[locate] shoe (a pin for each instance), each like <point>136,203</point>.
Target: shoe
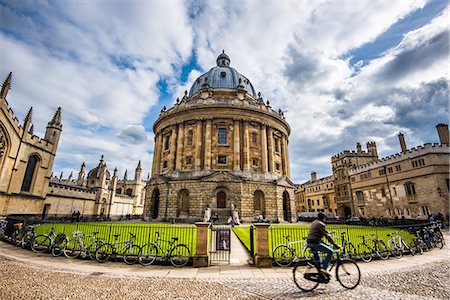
<point>325,272</point>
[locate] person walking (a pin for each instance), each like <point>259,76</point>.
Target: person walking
<point>317,231</point>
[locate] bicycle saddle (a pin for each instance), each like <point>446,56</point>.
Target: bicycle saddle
<point>175,238</point>
<point>116,235</point>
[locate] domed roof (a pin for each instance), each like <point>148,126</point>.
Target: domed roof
<point>95,173</point>
<point>223,76</point>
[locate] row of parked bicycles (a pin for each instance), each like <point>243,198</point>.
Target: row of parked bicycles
<point>90,246</point>
<point>370,247</point>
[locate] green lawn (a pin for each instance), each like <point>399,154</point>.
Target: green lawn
<point>278,233</point>
<point>145,233</point>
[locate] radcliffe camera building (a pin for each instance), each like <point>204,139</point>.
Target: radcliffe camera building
<point>221,146</point>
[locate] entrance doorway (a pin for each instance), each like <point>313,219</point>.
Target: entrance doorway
<point>45,210</point>
<point>347,211</point>
<point>155,204</point>
<point>286,207</point>
<point>221,200</point>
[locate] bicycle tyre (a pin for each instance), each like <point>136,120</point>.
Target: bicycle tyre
<point>345,270</point>
<point>408,248</point>
<point>104,253</point>
<point>396,251</point>
<point>90,251</point>
<point>14,237</point>
<point>365,253</point>
<point>40,243</point>
<point>438,244</point>
<point>303,267</point>
<point>179,256</point>
<point>72,249</point>
<point>350,250</point>
<point>131,255</point>
<point>381,250</point>
<point>283,255</point>
<point>148,254</point>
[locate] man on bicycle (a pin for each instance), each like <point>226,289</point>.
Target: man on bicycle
<point>314,241</point>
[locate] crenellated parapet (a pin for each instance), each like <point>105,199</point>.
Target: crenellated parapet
<point>415,152</point>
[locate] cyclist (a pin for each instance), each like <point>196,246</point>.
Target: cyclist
<point>314,241</point>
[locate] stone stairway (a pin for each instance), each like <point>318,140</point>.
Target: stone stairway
<point>222,213</point>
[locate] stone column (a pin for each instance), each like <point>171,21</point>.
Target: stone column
<point>198,146</point>
<point>246,147</point>
<point>236,147</point>
<point>288,166</point>
<point>208,144</point>
<point>262,257</point>
<point>173,148</point>
<point>263,148</point>
<point>283,156</point>
<point>180,147</point>
<point>270,149</point>
<point>201,258</point>
<point>157,154</point>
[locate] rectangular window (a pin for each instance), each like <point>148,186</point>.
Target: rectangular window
<point>360,196</point>
<point>390,170</point>
<point>394,190</point>
<point>255,162</point>
<point>382,171</point>
<point>165,164</point>
<point>383,192</point>
<point>275,143</point>
<point>398,168</point>
<point>222,160</point>
<point>188,160</point>
<point>222,136</point>
<point>277,166</point>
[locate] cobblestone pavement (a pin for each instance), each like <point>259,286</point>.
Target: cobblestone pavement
<point>21,281</point>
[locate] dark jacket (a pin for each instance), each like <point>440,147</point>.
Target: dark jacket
<point>317,231</point>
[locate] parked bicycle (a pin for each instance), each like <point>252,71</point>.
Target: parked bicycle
<point>23,235</point>
<point>285,254</point>
<point>307,275</point>
<point>397,245</point>
<point>177,254</point>
<point>77,247</point>
<point>49,242</point>
<point>348,249</point>
<point>366,251</point>
<point>127,249</point>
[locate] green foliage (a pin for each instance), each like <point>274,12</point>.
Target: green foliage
<point>145,233</point>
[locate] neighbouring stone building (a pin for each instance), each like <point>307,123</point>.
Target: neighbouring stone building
<point>316,195</point>
<point>221,146</point>
<point>28,187</point>
<point>413,183</point>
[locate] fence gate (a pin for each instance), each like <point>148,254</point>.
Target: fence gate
<point>220,244</point>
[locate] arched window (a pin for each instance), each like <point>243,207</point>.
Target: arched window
<point>258,200</point>
<point>119,191</point>
<point>167,143</point>
<point>190,138</point>
<point>29,173</point>
<point>129,192</point>
<point>360,196</point>
<point>410,188</point>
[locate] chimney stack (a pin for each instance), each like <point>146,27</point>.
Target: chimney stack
<point>358,148</point>
<point>401,139</point>
<point>313,176</point>
<point>443,133</point>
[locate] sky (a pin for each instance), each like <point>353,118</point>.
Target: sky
<point>342,71</point>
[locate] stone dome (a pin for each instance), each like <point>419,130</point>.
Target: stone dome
<point>223,77</point>
<point>95,173</point>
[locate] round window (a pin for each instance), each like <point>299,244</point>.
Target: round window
<point>223,74</point>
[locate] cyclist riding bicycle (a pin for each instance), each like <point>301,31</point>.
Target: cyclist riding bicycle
<point>314,241</point>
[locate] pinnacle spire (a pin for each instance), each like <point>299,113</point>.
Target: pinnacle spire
<point>29,115</point>
<point>57,117</point>
<point>138,168</point>
<point>31,131</point>
<point>6,86</point>
<point>125,175</point>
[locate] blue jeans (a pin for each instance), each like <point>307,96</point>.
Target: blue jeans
<point>321,247</point>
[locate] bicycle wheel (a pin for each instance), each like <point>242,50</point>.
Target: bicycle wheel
<point>131,254</point>
<point>306,275</point>
<point>72,248</point>
<point>104,252</point>
<point>90,251</point>
<point>350,250</point>
<point>408,248</point>
<point>395,250</point>
<point>283,255</point>
<point>348,274</point>
<point>40,243</point>
<point>382,250</point>
<point>365,252</point>
<point>148,254</point>
<point>179,256</point>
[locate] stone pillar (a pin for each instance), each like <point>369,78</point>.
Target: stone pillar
<point>262,257</point>
<point>246,147</point>
<point>201,258</point>
<point>198,146</point>
<point>283,156</point>
<point>180,147</point>
<point>288,164</point>
<point>263,148</point>
<point>208,144</point>
<point>157,154</point>
<point>173,147</point>
<point>236,147</point>
<point>270,149</point>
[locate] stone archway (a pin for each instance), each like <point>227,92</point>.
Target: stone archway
<point>221,199</point>
<point>155,204</point>
<point>286,207</point>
